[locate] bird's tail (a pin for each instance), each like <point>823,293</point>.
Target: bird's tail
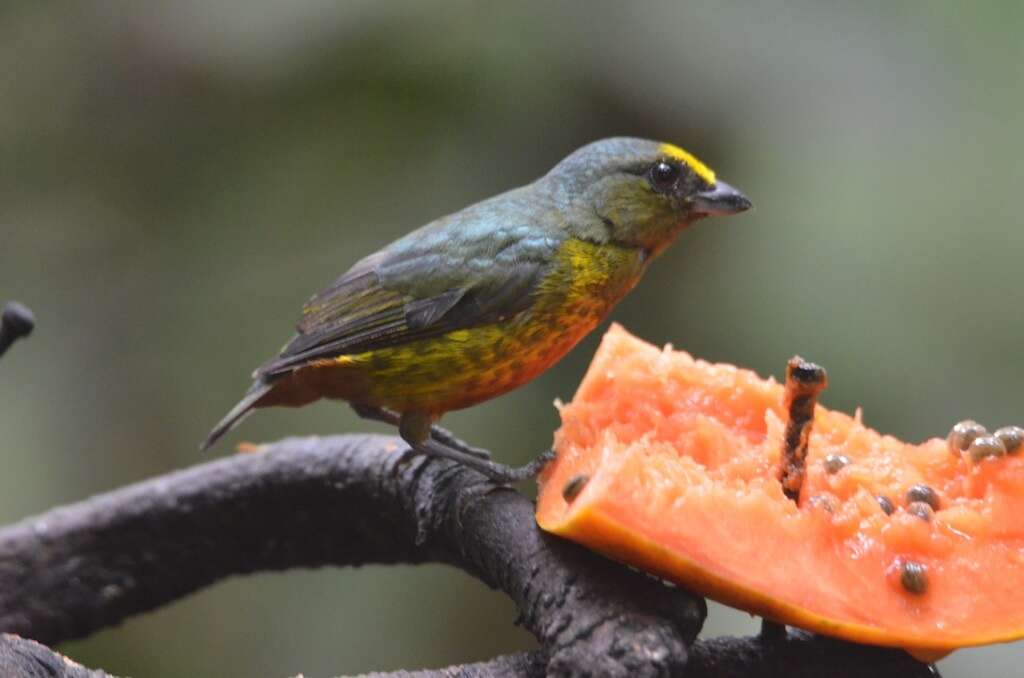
<point>237,413</point>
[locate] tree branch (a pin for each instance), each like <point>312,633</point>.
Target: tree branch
<point>345,500</point>
<point>801,655</point>
<point>22,658</point>
<point>357,499</point>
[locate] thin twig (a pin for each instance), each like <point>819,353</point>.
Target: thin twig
<point>804,382</point>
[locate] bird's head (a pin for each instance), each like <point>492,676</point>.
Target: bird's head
<point>644,192</point>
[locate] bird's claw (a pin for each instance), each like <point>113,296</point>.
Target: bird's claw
<point>500,474</point>
<point>443,443</point>
<point>506,475</point>
<point>437,433</point>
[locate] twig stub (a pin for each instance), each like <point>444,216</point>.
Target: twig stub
<point>804,382</point>
<point>16,322</point>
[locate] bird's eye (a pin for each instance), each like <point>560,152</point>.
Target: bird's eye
<point>664,175</point>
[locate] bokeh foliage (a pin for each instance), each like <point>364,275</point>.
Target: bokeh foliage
<point>177,177</point>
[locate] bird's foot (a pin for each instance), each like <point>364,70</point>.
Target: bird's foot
<point>500,474</point>
<point>440,442</point>
<point>437,433</point>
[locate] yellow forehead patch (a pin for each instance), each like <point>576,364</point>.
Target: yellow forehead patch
<point>699,168</point>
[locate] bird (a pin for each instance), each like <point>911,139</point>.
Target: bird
<point>479,302</point>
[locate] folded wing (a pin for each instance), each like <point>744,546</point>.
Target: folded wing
<point>449,275</point>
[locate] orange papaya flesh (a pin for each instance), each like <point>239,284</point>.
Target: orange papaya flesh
<point>673,466</point>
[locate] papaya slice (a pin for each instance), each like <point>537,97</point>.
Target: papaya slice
<point>672,465</point>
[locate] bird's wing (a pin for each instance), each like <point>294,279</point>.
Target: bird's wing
<point>449,275</point>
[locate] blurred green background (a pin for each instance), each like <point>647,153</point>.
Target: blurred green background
<point>176,178</point>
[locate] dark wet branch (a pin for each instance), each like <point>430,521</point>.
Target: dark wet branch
<point>357,499</point>
<point>802,655</point>
<point>344,500</point>
<point>22,658</point>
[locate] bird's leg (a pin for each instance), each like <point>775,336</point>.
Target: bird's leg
<point>415,429</point>
<point>440,435</point>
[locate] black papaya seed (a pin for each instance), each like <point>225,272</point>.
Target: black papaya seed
<point>914,577</point>
<point>834,463</point>
<point>1012,438</point>
<point>574,486</point>
<point>986,446</point>
<point>920,509</point>
<point>925,493</point>
<point>963,434</point>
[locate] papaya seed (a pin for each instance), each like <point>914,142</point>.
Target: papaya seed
<point>1012,438</point>
<point>823,501</point>
<point>834,463</point>
<point>921,492</point>
<point>963,434</point>
<point>914,577</point>
<point>986,446</point>
<point>921,509</point>
<point>574,486</point>
<point>886,504</point>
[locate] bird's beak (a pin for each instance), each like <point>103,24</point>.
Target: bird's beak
<point>720,199</point>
